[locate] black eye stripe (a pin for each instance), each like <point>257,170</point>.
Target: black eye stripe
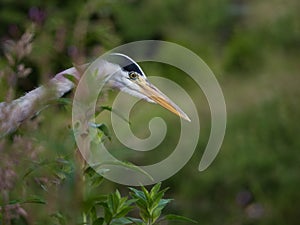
<point>132,68</point>
<point>127,64</point>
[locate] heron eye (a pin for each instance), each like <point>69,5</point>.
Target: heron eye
<point>133,75</point>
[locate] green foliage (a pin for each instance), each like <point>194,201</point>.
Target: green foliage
<point>104,131</point>
<point>150,203</point>
<point>117,209</point>
<point>254,178</point>
<point>286,24</point>
<point>243,53</point>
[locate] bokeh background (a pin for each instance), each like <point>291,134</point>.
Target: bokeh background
<point>253,47</point>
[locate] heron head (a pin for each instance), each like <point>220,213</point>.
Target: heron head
<point>131,79</point>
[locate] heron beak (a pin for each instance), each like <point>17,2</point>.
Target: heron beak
<point>158,97</point>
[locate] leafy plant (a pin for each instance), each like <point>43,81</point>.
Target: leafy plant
<point>113,209</point>
<point>116,208</point>
<point>151,203</point>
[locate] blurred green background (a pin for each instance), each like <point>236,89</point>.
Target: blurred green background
<point>253,47</point>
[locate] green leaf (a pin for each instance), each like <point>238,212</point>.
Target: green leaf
<point>138,194</point>
<point>147,195</point>
<point>36,166</point>
<point>163,202</point>
<point>100,109</point>
<point>111,203</point>
<point>34,199</point>
<point>61,219</point>
<point>70,77</point>
<point>127,165</point>
<point>156,196</point>
<point>89,171</point>
<point>136,220</point>
<point>157,210</point>
<point>108,108</point>
<point>98,221</point>
<point>155,189</point>
<point>118,195</point>
<point>179,218</point>
<point>150,203</point>
<point>94,178</point>
<point>92,201</point>
<point>93,213</point>
<point>102,127</point>
<point>96,181</point>
<point>121,221</point>
<point>123,212</point>
<point>66,101</point>
<point>14,201</point>
<point>107,213</point>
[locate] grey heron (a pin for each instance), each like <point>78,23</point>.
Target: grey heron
<point>130,78</point>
